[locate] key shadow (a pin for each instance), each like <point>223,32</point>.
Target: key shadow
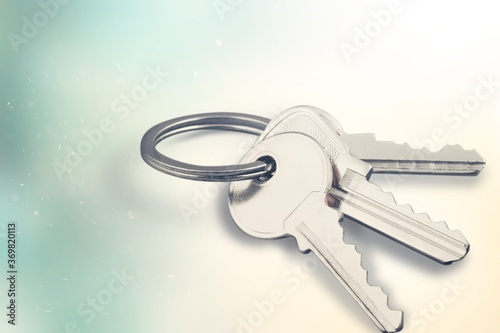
<point>289,249</point>
<point>370,244</point>
<point>366,240</point>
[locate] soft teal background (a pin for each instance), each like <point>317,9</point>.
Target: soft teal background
<point>200,273</point>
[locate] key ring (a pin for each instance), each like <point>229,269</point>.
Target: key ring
<point>227,121</point>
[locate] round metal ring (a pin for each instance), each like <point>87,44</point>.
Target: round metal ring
<point>229,121</point>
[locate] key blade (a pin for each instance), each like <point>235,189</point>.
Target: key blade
<point>292,202</point>
<point>370,205</point>
<point>392,157</point>
<point>314,230</point>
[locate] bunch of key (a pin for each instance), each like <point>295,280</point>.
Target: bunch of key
<point>319,173</point>
<point>316,173</point>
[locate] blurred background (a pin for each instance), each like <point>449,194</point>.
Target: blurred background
<point>106,243</point>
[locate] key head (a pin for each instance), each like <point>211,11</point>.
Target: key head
<point>353,195</point>
<point>310,121</point>
<point>324,129</point>
<point>292,203</point>
<point>260,208</point>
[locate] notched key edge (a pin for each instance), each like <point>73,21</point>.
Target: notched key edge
<point>394,320</point>
<point>347,197</point>
<point>392,157</point>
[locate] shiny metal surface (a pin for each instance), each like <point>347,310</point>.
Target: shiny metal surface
<point>400,158</point>
<point>363,201</point>
<point>385,157</point>
<point>214,121</point>
<point>370,205</point>
<point>392,157</point>
<point>293,203</point>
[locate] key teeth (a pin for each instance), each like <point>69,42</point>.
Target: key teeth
<point>426,216</point>
<point>444,226</point>
<point>352,178</point>
<point>457,149</point>
<point>393,317</point>
<point>409,209</point>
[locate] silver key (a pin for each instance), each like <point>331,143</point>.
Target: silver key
<point>392,157</point>
<point>365,202</point>
<point>292,202</point>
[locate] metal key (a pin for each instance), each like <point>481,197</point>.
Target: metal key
<point>291,201</point>
<point>363,201</point>
<point>392,157</point>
